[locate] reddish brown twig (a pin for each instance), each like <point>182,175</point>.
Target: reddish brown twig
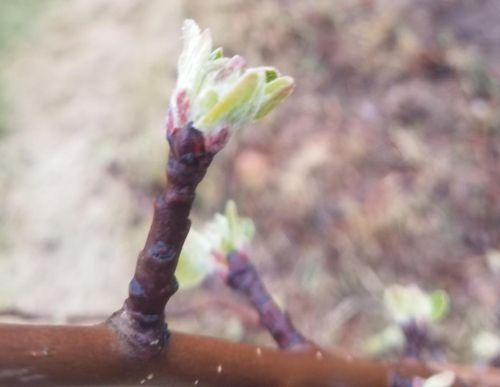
<point>243,277</point>
<point>419,340</point>
<point>141,320</point>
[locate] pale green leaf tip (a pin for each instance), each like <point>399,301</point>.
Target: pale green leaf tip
<point>440,304</point>
<point>279,84</point>
<point>271,74</point>
<point>275,93</point>
<point>217,53</point>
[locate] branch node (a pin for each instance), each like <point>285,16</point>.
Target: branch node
<point>145,335</point>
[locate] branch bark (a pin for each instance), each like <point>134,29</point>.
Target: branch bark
<point>97,355</point>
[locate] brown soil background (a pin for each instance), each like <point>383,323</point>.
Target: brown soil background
<point>383,167</point>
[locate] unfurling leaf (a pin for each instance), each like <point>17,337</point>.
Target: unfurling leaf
<point>275,92</point>
<point>219,94</point>
<point>230,232</point>
<point>231,106</point>
<point>195,262</point>
<point>407,303</point>
<point>204,252</point>
<point>440,304</point>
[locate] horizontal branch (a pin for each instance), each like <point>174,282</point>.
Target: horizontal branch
<point>97,355</point>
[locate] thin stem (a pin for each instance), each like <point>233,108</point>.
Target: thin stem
<point>419,339</point>
<point>244,278</point>
<point>416,339</point>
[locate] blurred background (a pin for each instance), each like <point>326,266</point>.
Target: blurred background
<point>383,167</point>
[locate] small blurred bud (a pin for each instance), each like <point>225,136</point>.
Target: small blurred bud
<point>409,303</point>
<point>204,253</point>
<point>486,346</point>
<point>230,232</point>
<point>443,379</point>
<point>391,338</point>
<point>493,260</point>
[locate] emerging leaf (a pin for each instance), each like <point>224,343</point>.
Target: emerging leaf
<point>195,262</point>
<point>275,92</point>
<point>407,303</point>
<point>440,304</point>
<point>217,54</point>
<point>271,74</point>
<point>232,105</point>
<point>204,252</point>
<point>230,232</point>
<point>217,93</point>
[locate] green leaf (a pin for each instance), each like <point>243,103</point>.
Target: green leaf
<point>240,230</point>
<point>195,54</point>
<point>217,53</point>
<point>242,93</point>
<point>195,261</point>
<point>187,274</point>
<point>271,74</point>
<point>406,303</point>
<point>440,304</point>
<point>229,231</point>
<point>222,95</point>
<point>275,92</point>
<point>208,101</point>
<point>278,85</point>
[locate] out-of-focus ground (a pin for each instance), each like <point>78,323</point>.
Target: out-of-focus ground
<point>383,167</point>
